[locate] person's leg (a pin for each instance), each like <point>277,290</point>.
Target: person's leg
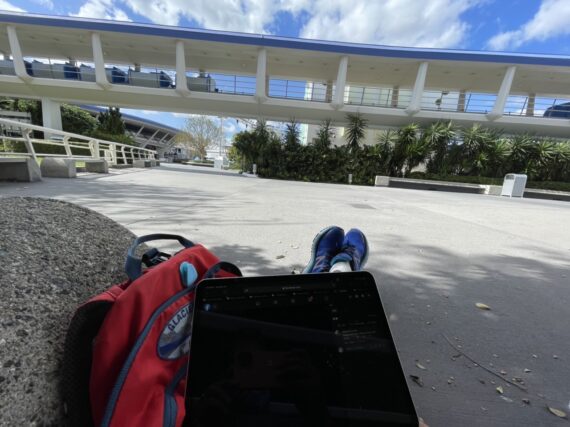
<point>327,243</point>
<point>353,254</point>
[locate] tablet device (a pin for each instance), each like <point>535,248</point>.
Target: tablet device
<point>299,350</point>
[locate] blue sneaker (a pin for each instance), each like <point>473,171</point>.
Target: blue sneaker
<point>325,246</point>
<point>354,250</point>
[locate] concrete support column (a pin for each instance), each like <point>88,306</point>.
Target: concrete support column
<point>328,91</point>
<point>504,91</point>
<point>461,101</point>
<point>418,91</point>
<point>99,61</point>
<point>261,76</point>
<point>51,114</point>
<point>181,82</point>
<point>17,57</point>
<point>530,105</point>
<point>395,97</point>
<point>338,100</point>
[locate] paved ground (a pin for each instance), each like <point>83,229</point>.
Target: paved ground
<point>434,255</point>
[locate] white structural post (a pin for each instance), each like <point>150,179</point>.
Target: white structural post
<point>261,76</point>
<point>338,100</point>
<point>51,114</point>
<point>19,66</point>
<point>99,61</point>
<point>181,82</point>
<point>499,107</point>
<point>416,100</point>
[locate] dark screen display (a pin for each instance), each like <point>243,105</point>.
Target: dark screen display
<point>294,351</point>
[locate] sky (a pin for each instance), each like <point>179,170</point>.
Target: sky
<point>532,26</point>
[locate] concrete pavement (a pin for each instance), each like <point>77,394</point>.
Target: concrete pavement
<point>434,256</point>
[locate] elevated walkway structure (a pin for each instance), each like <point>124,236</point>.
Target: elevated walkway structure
<point>63,59</point>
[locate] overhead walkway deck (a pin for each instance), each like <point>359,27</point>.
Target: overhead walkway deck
<point>63,59</point>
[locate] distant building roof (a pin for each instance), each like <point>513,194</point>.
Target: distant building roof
<point>132,118</point>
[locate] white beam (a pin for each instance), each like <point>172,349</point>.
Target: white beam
<point>499,107</point>
<point>181,82</point>
<point>51,114</point>
<point>416,100</point>
<point>261,76</point>
<point>18,58</point>
<point>338,100</point>
<point>98,59</point>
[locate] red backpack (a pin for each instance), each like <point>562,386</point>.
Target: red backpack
<point>126,350</point>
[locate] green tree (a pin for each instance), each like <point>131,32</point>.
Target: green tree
<point>323,140</point>
<point>405,144</point>
<point>292,134</point>
<point>438,136</point>
<point>199,133</point>
<point>76,120</point>
<point>355,130</point>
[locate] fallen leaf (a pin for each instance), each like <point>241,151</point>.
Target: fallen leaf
<point>527,371</point>
<point>419,365</point>
<point>280,257</point>
<point>482,306</point>
<point>557,412</point>
<point>499,390</point>
<point>503,372</point>
<point>417,380</point>
<point>526,401</point>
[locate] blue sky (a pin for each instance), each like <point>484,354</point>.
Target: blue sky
<point>534,26</point>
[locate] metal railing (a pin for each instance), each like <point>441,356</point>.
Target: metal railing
<point>22,140</point>
<point>301,90</point>
<point>232,84</point>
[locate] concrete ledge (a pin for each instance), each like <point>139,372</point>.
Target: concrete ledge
<point>19,169</point>
<point>140,163</point>
<point>493,190</point>
<point>533,193</point>
<point>54,167</point>
<point>121,166</point>
<point>152,163</point>
<point>420,184</point>
<point>97,166</point>
<point>157,162</point>
<point>381,181</point>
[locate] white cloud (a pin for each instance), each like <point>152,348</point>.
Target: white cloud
<point>101,9</point>
<point>427,23</point>
<point>234,15</point>
<point>550,21</point>
<point>4,5</point>
<point>48,4</point>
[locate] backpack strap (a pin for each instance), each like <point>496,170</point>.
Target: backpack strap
<point>77,357</point>
<point>133,265</point>
<point>223,266</point>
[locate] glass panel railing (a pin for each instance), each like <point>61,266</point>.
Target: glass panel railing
<point>441,100</point>
<point>481,103</point>
<point>7,67</point>
<point>375,96</point>
<point>300,90</point>
<point>538,107</point>
<point>231,84</point>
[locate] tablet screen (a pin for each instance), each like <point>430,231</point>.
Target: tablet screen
<point>310,350</point>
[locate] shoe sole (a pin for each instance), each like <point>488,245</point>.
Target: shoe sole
<point>367,251</point>
<point>316,240</point>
